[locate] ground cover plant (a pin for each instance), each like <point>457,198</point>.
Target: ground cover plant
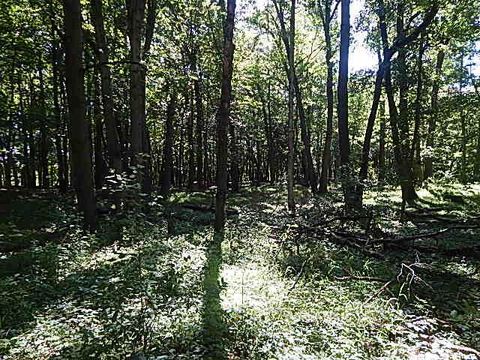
<point>256,179</point>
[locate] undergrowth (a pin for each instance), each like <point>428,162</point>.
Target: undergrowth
<point>159,285</point>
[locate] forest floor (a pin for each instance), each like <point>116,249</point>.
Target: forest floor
<point>317,286</point>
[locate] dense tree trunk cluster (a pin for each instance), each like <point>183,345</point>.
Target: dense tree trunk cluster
<point>145,95</point>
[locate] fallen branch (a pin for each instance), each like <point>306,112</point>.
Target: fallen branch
<point>359,278</point>
<point>297,278</point>
<point>378,292</point>
<point>424,235</point>
<point>204,208</point>
<point>465,350</point>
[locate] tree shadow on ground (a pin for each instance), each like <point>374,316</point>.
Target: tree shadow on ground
<point>213,317</point>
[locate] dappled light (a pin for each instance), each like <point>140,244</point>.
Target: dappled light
<point>239,180</point>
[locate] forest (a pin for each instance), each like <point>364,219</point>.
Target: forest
<point>252,179</point>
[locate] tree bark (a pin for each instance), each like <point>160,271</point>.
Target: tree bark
<point>136,15</point>
<point>381,146</point>
<point>101,168</point>
<point>79,139</point>
<point>223,115</point>
<point>191,146</point>
<point>326,158</point>
<point>415,150</point>
<point>342,108</point>
<point>399,132</point>
<point>199,124</point>
<point>167,164</point>
<point>102,56</point>
<point>432,121</point>
<point>43,153</point>
<point>55,57</point>
<point>234,168</point>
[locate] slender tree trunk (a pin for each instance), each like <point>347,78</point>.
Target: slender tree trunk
<point>432,121</point>
<point>291,112</point>
<point>191,146</point>
<point>381,147</point>
<point>43,160</point>
<point>65,134</point>
<point>167,164</point>
<point>26,176</point>
<point>476,168</point>
<point>199,131</point>
<point>31,138</point>
<point>101,169</point>
<point>403,167</point>
<point>288,38</point>
<point>102,57</point>
<point>234,169</point>
<point>342,93</point>
<point>136,15</point>
<point>326,158</point>
<point>463,125</point>
<point>207,174</point>
<point>415,150</point>
<point>61,176</point>
<point>289,42</point>
<point>267,127</point>
<point>79,139</point>
<point>305,135</point>
<point>223,115</point>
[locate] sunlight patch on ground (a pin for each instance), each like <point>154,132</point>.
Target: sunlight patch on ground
<point>251,286</point>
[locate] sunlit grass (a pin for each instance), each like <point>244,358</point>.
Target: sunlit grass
<point>146,292</point>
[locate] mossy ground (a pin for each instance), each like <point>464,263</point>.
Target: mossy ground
<point>260,292</point>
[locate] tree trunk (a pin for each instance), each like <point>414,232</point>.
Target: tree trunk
<point>305,135</point>
<point>234,169</point>
<point>403,166</point>
<point>43,160</point>
<point>432,121</point>
<point>223,115</point>
<point>268,128</point>
<point>61,175</point>
<point>101,169</point>
<point>102,56</point>
<point>476,167</point>
<point>291,111</point>
<point>342,93</point>
<point>79,139</point>
<point>326,158</point>
<point>167,164</point>
<point>381,146</point>
<point>199,130</point>
<point>136,14</point>
<point>191,146</point>
<point>415,150</point>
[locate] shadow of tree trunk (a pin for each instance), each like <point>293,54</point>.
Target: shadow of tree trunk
<point>214,327</point>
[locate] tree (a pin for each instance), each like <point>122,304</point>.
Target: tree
<point>289,43</point>
<point>79,134</point>
<point>140,145</point>
<point>342,107</point>
<point>102,56</point>
<point>326,16</point>
<point>384,71</point>
<point>288,39</point>
<point>167,164</point>
<point>223,115</point>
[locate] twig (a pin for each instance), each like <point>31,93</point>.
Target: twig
<point>465,350</point>
<point>424,235</point>
<point>378,292</point>
<point>298,276</point>
<point>360,278</point>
